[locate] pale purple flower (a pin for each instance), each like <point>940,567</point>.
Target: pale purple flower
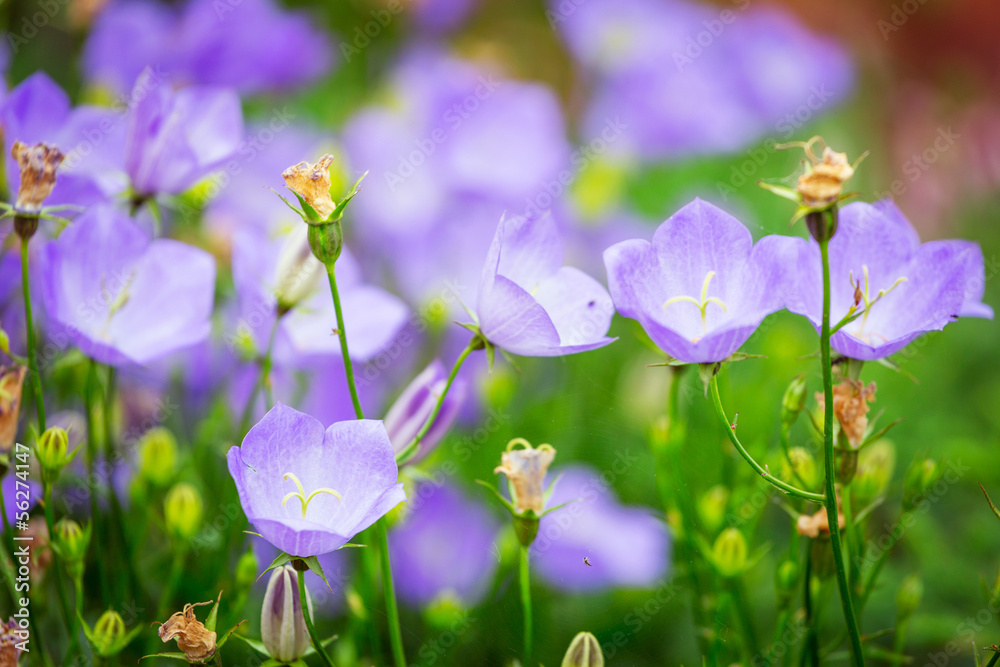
<point>441,15</point>
<point>10,489</point>
<point>624,547</point>
<point>529,303</point>
<point>701,287</point>
<point>176,138</point>
<point>445,547</point>
<point>308,491</point>
<point>121,297</point>
<point>904,288</point>
<point>414,406</point>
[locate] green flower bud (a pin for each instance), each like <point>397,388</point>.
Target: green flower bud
<point>246,570</point>
<point>4,342</point>
<point>326,241</point>
<point>786,578</point>
<point>445,612</point>
<point>157,456</point>
<point>712,508</point>
<point>875,466</point>
<point>908,597</point>
<point>919,478</point>
<point>51,450</point>
<point>730,552</point>
<point>71,542</point>
<point>182,511</point>
<point>794,400</point>
<point>107,631</point>
<point>803,467</point>
<point>584,651</point>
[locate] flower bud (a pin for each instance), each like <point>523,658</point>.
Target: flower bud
<point>282,625</point>
<point>794,400</point>
<point>786,578</point>
<point>414,407</point>
<point>712,508</point>
<point>11,384</point>
<point>38,165</point>
<point>108,632</point>
<point>730,552</point>
<point>246,570</point>
<point>875,466</point>
<point>298,272</point>
<point>919,479</point>
<point>584,651</point>
<point>908,597</point>
<point>71,542</point>
<point>445,612</point>
<point>182,511</point>
<point>803,467</point>
<point>326,241</point>
<point>157,456</point>
<point>50,449</point>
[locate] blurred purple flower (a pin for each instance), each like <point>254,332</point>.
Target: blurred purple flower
<point>254,46</point>
<point>529,303</point>
<point>701,287</point>
<point>414,406</point>
<point>445,546</point>
<point>625,546</point>
<point>10,489</point>
<point>441,15</point>
<point>308,491</point>
<point>121,297</point>
<point>905,288</point>
<point>176,138</point>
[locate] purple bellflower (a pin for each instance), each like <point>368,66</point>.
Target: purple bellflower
<point>701,287</point>
<point>596,543</point>
<point>309,491</point>
<point>446,547</point>
<point>900,287</point>
<point>529,303</point>
<point>414,406</point>
<point>121,297</point>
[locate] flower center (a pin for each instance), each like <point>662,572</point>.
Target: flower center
<point>701,303</point>
<point>115,302</point>
<point>301,493</point>
<point>864,295</point>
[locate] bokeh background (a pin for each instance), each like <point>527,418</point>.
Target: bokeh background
<point>613,114</point>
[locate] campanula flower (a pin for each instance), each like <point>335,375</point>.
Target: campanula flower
<point>898,287</point>
<point>701,287</point>
<point>529,303</point>
<point>175,138</point>
<point>446,546</point>
<point>308,491</point>
<point>414,406</point>
<point>121,297</point>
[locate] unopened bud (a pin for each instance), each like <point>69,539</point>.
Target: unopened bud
<point>875,466</point>
<point>908,597</point>
<point>802,467</point>
<point>298,271</point>
<point>51,450</point>
<point>108,632</point>
<point>712,508</point>
<point>157,456</point>
<point>794,400</point>
<point>919,479</point>
<point>445,612</point>
<point>282,626</point>
<point>584,651</point>
<point>786,578</point>
<point>730,552</point>
<point>182,511</point>
<point>71,542</point>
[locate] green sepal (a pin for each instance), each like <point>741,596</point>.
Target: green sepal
<point>173,655</point>
<point>893,366</point>
<point>115,648</point>
<point>299,212</point>
<point>338,210</point>
<point>706,372</point>
<point>312,562</point>
<point>877,435</point>
<point>281,559</point>
<point>990,501</point>
<point>310,215</point>
<point>781,190</point>
<point>229,633</point>
<point>503,501</point>
<point>213,615</point>
<point>559,506</point>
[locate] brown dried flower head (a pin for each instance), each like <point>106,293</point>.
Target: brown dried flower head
<point>812,525</point>
<point>850,407</point>
<point>525,467</point>
<point>193,639</point>
<point>38,165</point>
<point>824,183</point>
<point>11,383</point>
<point>312,183</point>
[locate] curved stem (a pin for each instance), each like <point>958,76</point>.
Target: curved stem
<point>413,448</point>
<point>850,618</point>
<point>342,334</point>
<point>777,483</point>
<point>263,382</point>
<point>525,577</point>
<point>29,321</point>
<point>317,644</point>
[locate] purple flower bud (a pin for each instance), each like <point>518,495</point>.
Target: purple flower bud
<point>282,626</point>
<point>414,406</point>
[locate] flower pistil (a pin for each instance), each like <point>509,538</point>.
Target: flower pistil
<point>301,493</point>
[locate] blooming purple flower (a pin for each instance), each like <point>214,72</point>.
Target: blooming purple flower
<point>532,305</point>
<point>255,46</point>
<point>446,546</point>
<point>902,287</point>
<point>307,491</point>
<point>701,287</point>
<point>624,546</point>
<point>175,138</point>
<point>122,298</point>
<point>414,406</point>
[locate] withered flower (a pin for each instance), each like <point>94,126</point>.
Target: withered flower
<point>38,165</point>
<point>11,383</point>
<point>824,182</point>
<point>193,639</point>
<point>312,183</point>
<point>525,467</point>
<point>811,525</point>
<point>850,407</point>
<point>10,640</point>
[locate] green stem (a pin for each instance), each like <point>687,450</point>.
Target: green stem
<point>63,604</point>
<point>831,493</point>
<point>413,448</point>
<point>746,620</point>
<point>29,321</point>
<point>317,644</point>
<point>898,643</point>
<point>89,394</point>
<point>812,639</point>
<point>525,578</point>
<point>263,382</point>
<point>342,334</point>
<point>774,481</point>
<point>993,660</point>
<point>117,514</point>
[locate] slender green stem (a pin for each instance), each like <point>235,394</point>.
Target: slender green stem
<point>898,643</point>
<point>317,644</point>
<point>413,448</point>
<point>812,639</point>
<point>264,383</point>
<point>746,620</point>
<point>342,334</point>
<point>843,584</point>
<point>774,481</point>
<point>29,321</point>
<point>525,577</point>
<point>89,396</point>
<point>117,514</point>
<point>57,574</point>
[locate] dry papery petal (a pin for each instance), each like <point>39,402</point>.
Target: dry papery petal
<point>193,639</point>
<point>312,182</point>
